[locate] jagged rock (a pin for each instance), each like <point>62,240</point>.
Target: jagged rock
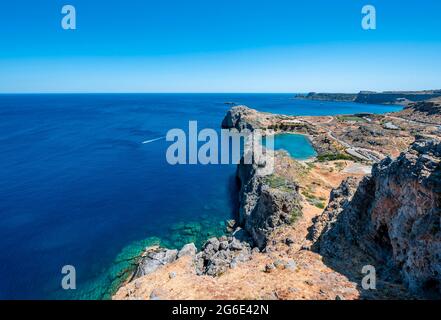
<point>339,199</point>
<point>188,250</point>
<point>223,245</point>
<point>235,245</point>
<point>394,216</point>
<point>240,118</point>
<point>211,246</point>
<point>218,256</point>
<point>262,206</point>
<point>154,258</point>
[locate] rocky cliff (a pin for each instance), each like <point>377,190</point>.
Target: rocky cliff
<point>392,216</point>
<point>266,201</point>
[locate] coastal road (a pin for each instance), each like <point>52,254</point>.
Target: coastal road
<point>360,153</point>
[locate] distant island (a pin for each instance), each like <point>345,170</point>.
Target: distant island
<point>372,97</point>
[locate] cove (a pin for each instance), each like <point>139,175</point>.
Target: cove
<point>298,146</point>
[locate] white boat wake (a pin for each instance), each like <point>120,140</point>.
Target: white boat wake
<point>152,140</point>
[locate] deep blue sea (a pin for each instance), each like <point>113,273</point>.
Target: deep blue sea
<point>78,187</point>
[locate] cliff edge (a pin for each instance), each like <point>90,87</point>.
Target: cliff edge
<point>393,216</point>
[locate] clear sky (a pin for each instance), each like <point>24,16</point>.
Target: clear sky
<point>219,46</point>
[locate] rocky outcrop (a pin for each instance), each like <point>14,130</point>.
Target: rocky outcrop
<point>220,254</point>
<point>262,208</point>
<point>188,250</point>
<point>425,112</point>
<point>393,216</point>
<point>266,202</point>
<point>242,117</point>
<point>430,107</point>
<point>216,257</point>
<point>339,200</point>
<point>154,258</point>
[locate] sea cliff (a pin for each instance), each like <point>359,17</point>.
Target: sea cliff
<point>393,216</point>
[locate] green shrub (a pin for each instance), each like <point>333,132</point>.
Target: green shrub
<point>320,205</point>
<point>333,157</point>
<point>351,118</point>
<point>296,213</point>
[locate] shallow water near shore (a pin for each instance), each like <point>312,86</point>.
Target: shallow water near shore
<point>84,181</point>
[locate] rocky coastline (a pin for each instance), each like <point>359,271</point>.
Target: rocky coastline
<point>389,219</point>
<point>263,208</point>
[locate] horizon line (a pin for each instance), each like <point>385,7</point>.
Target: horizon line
<point>214,92</point>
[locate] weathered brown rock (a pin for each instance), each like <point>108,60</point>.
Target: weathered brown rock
<point>393,216</point>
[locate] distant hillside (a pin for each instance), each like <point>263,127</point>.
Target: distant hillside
<point>424,111</point>
<point>328,96</point>
<point>386,97</point>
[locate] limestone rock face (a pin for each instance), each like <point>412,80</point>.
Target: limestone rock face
<point>240,118</point>
<point>393,215</point>
<point>263,208</point>
<point>188,250</point>
<point>154,258</point>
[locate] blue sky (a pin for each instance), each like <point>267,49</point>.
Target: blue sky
<point>219,46</point>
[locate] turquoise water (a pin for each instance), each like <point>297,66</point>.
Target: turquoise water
<point>297,145</point>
